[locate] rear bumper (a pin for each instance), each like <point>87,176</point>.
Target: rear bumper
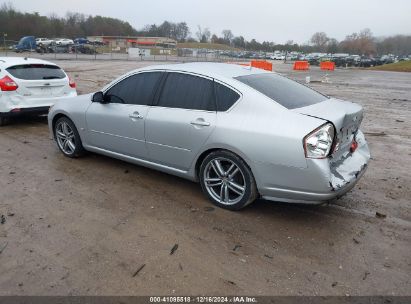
<point>10,102</point>
<point>322,180</point>
<point>26,111</point>
<point>313,198</point>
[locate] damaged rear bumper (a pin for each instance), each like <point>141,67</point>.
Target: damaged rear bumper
<point>314,198</point>
<point>323,179</point>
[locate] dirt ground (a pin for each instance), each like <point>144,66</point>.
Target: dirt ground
<point>86,226</point>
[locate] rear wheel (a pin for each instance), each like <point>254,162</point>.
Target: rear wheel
<point>67,138</point>
<point>227,180</point>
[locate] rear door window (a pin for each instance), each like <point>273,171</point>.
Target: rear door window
<point>284,91</point>
<point>137,89</point>
<point>36,72</point>
<point>225,96</point>
<point>187,92</point>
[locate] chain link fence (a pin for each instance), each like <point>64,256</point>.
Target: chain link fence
<point>107,52</point>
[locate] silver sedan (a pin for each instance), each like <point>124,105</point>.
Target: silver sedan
<point>243,133</point>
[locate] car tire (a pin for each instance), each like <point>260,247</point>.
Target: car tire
<point>67,138</point>
<point>227,180</point>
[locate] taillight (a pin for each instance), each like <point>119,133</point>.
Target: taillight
<point>72,84</point>
<point>354,146</point>
<point>8,84</point>
<point>318,143</point>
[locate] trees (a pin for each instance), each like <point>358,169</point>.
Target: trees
<point>227,36</point>
<point>319,41</point>
<point>203,35</point>
<point>182,31</point>
<point>239,42</point>
<point>332,46</point>
<point>399,44</point>
<point>17,24</point>
<point>361,43</point>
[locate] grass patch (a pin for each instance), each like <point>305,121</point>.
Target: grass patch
<point>210,46</point>
<point>402,66</point>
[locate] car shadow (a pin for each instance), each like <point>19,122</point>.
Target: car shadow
<point>179,191</point>
<point>27,120</point>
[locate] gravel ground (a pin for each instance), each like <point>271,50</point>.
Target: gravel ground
<point>86,226</point>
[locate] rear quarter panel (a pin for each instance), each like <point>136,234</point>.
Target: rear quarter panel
<point>263,133</point>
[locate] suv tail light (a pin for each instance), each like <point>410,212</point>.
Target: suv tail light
<point>8,84</point>
<point>72,84</point>
<point>318,143</point>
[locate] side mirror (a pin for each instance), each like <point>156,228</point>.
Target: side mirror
<point>98,97</point>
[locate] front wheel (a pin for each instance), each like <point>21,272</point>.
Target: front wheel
<point>67,138</point>
<point>227,180</point>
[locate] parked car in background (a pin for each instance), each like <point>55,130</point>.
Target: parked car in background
<point>278,57</point>
<point>99,43</point>
<point>83,49</point>
<point>27,43</point>
<point>81,41</point>
<point>242,133</point>
<point>388,58</point>
<point>63,41</point>
<point>44,42</point>
<point>31,86</point>
<point>366,62</point>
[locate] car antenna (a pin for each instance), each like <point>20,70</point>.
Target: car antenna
<point>25,58</point>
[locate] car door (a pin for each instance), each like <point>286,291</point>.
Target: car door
<point>117,125</point>
<point>181,120</point>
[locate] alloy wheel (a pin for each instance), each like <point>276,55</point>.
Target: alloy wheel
<point>65,137</point>
<point>224,181</point>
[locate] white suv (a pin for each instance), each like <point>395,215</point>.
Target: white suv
<point>31,86</point>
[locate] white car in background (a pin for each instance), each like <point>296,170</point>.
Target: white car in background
<point>278,57</point>
<point>44,41</point>
<point>63,41</point>
<point>31,86</point>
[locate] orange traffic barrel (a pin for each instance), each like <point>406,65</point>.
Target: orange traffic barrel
<point>327,65</point>
<point>301,65</point>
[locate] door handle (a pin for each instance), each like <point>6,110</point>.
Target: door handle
<point>135,115</point>
<point>200,123</point>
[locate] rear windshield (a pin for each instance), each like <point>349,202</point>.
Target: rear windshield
<point>36,72</point>
<point>284,91</point>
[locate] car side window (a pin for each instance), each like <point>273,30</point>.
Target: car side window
<point>185,91</point>
<point>137,89</point>
<point>225,97</point>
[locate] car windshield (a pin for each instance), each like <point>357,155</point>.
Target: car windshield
<point>36,72</point>
<point>284,91</point>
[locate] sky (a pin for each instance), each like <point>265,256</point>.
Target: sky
<point>264,20</point>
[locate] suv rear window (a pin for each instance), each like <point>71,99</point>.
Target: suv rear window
<point>284,91</point>
<point>36,72</point>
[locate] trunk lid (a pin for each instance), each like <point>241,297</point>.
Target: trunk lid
<point>42,88</point>
<point>345,116</point>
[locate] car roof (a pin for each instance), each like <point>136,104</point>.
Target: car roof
<point>211,69</point>
<point>6,62</point>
